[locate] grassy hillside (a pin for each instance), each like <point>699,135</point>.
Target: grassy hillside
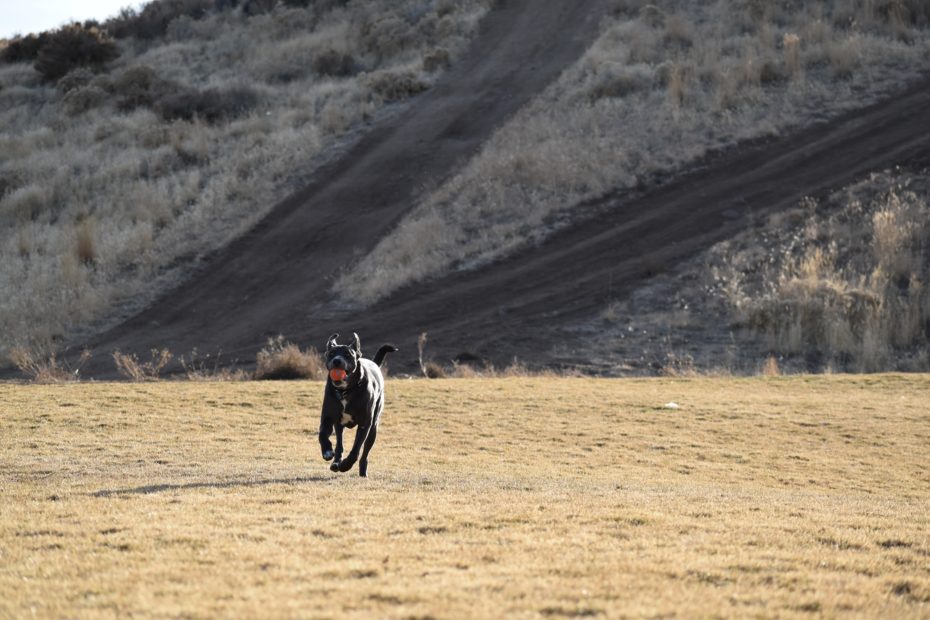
<point>511,497</point>
<point>665,83</point>
<point>117,176</point>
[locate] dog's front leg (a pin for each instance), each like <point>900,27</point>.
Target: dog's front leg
<point>326,429</point>
<point>361,434</point>
<point>334,466</point>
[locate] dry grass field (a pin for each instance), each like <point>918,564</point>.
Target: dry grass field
<point>521,497</point>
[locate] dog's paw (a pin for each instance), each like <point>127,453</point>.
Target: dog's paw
<point>334,466</point>
<point>345,466</point>
<point>328,455</point>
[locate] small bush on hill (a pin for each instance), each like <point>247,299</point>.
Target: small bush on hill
<point>138,86</point>
<point>153,20</point>
<point>74,46</point>
<point>335,64</point>
<point>437,60</point>
<point>79,100</point>
<point>212,105</point>
<point>281,360</point>
<point>24,49</point>
<point>75,79</point>
<point>396,85</point>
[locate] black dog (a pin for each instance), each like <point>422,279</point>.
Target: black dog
<point>354,397</point>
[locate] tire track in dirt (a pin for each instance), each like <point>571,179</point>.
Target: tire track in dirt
<point>266,282</point>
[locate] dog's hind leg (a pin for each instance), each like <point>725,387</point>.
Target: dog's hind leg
<point>369,442</point>
<point>334,466</point>
<point>361,436</point>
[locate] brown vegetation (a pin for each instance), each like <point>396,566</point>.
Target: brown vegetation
<point>282,360</point>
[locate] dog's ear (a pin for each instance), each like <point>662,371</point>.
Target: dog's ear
<point>331,342</point>
<point>356,344</point>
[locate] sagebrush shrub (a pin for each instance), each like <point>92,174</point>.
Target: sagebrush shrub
<point>80,100</point>
<point>212,105</point>
<point>334,64</point>
<point>437,60</point>
<point>139,86</point>
<point>396,85</point>
<point>74,79</point>
<point>74,46</point>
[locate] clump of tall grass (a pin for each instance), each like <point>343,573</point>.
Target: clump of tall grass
<point>282,360</point>
<point>41,367</point>
<point>134,369</point>
<point>843,284</point>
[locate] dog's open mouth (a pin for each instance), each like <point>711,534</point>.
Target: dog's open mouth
<point>337,374</point>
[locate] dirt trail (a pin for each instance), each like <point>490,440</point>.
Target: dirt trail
<point>267,282</point>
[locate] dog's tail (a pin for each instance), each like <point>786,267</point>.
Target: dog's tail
<point>384,350</point>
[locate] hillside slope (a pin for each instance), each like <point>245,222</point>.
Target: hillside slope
<point>275,278</point>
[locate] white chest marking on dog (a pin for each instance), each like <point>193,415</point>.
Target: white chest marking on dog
<point>346,418</point>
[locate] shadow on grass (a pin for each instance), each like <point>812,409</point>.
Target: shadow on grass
<point>160,488</point>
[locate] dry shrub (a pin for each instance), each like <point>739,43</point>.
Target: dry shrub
<point>76,78</point>
<point>844,56</point>
<point>437,60</point>
<point>210,368</point>
<point>678,365</point>
<point>130,367</point>
<point>332,63</point>
<point>770,367</point>
<point>139,86</point>
<point>80,100</point>
<point>46,368</point>
<point>213,105</point>
<point>615,80</point>
<point>281,360</point>
<point>74,46</point>
<point>85,246</point>
<point>396,85</point>
<point>434,370</point>
<point>792,48</point>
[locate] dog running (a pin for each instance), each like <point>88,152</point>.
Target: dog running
<point>354,396</point>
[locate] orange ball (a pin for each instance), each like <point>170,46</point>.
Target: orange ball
<point>337,374</point>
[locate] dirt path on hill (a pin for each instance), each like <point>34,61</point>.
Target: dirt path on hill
<point>269,281</point>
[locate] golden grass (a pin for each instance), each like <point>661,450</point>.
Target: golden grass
<point>489,498</point>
